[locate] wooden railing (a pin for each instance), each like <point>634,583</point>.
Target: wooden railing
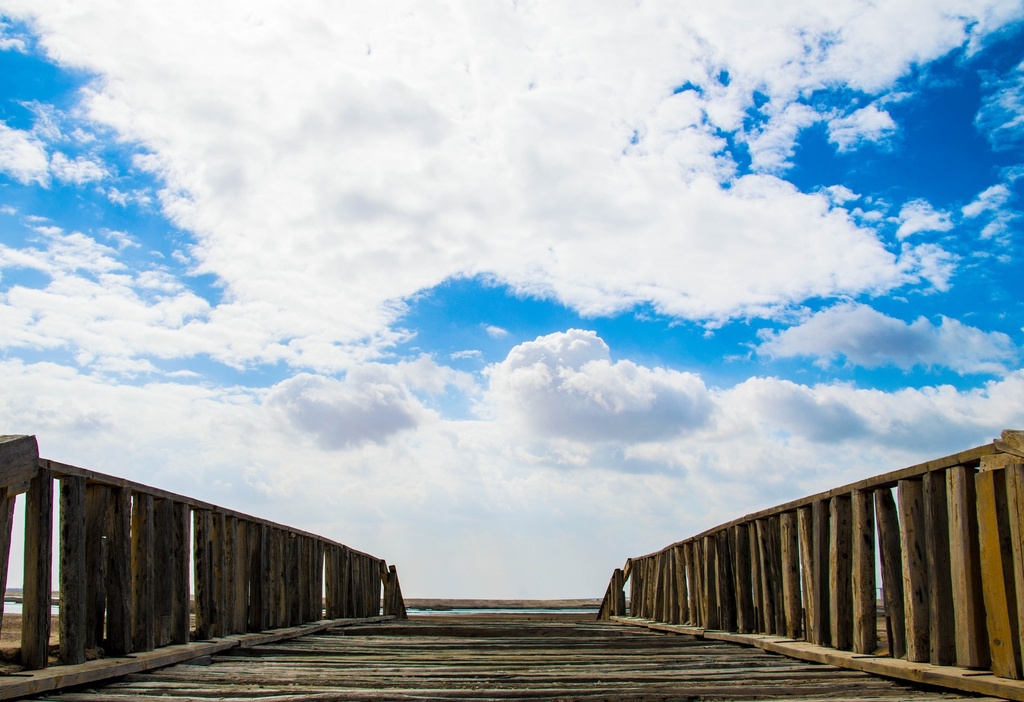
<point>948,536</point>
<point>124,552</point>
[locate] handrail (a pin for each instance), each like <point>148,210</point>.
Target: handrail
<point>950,541</point>
<point>124,550</point>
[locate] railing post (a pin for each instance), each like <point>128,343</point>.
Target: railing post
<point>710,550</point>
<point>840,572</point>
<point>242,576</point>
<point>6,524</point>
<point>968,606</point>
<point>97,520</point>
<point>941,636</point>
<point>142,573</point>
<point>682,589</point>
<point>910,495</point>
<point>745,619</point>
<point>179,572</point>
<point>119,561</point>
<point>820,626</point>
<point>891,559</point>
<point>726,582</point>
<point>35,618</point>
<point>163,570</point>
<point>202,563</point>
<point>790,539</point>
<point>865,634</point>
<point>72,570</point>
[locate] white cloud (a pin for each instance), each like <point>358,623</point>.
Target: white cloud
<point>990,199</point>
<point>495,332</point>
<point>565,385</point>
<point>1001,116</point>
<point>78,171</point>
<point>866,125</point>
<point>23,156</point>
<point>865,337</point>
<point>919,216</point>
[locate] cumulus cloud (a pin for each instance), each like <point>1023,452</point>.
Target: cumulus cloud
<point>77,171</point>
<point>919,216</point>
<point>866,125</point>
<point>863,336</point>
<point>566,385</point>
<point>23,156</point>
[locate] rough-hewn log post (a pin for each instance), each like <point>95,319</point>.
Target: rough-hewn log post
<point>181,517</point>
<point>119,573</point>
<point>163,570</point>
<point>143,616</point>
<point>965,563</point>
<point>97,521</point>
<point>202,564</point>
<point>941,636</point>
<point>910,495</point>
<point>72,570</point>
<point>35,618</point>
<point>891,559</point>
<point>841,572</point>
<point>865,634</point>
<point>791,606</point>
<point>745,617</point>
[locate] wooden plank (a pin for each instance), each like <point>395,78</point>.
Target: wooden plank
<point>72,571</point>
<point>745,617</point>
<point>19,461</point>
<point>710,549</point>
<point>997,574</point>
<point>293,587</point>
<point>163,570</point>
<point>820,626</point>
<point>805,527</point>
<point>726,582</point>
<point>891,559</point>
<point>965,564</point>
<point>910,496</point>
<point>230,588</point>
<point>97,521</point>
<point>1014,476</point>
<point>756,591</point>
<point>790,552</point>
<point>181,548</point>
<point>218,573</point>
<point>865,630</point>
<point>6,524</point>
<point>841,572</point>
<point>941,635</point>
<point>241,576</point>
<point>35,618</point>
<point>771,574</point>
<point>682,594</point>
<point>143,609</point>
<point>658,590</point>
<point>202,565</point>
<point>119,573</point>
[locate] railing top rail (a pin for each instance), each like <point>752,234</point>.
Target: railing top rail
<point>96,478</point>
<point>971,457</point>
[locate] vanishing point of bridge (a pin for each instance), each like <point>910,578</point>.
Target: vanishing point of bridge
<point>165,596</point>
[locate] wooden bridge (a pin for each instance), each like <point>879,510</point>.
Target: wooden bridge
<point>161,595</point>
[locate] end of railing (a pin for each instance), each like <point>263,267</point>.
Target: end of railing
<point>19,461</point>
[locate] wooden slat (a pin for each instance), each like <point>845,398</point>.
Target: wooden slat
<point>6,524</point>
<point>97,524</point>
<point>745,617</point>
<point>202,566</point>
<point>841,572</point>
<point>181,542</point>
<point>682,587</point>
<point>997,574</point>
<point>726,582</point>
<point>941,636</point>
<point>1014,476</point>
<point>756,583</point>
<point>218,573</point>
<point>143,609</point>
<point>241,576</point>
<point>910,496</point>
<point>163,570</point>
<point>710,549</point>
<point>19,461</point>
<point>770,575</point>
<point>230,588</point>
<point>119,571</point>
<point>865,632</point>
<point>891,559</point>
<point>805,527</point>
<point>820,626</point>
<point>965,565</point>
<point>35,619</point>
<point>72,571</point>
<point>791,602</point>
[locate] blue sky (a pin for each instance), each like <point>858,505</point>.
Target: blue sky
<point>485,288</point>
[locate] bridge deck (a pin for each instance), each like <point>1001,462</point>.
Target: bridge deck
<point>502,658</point>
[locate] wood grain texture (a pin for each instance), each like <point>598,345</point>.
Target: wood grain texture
<point>97,524</point>
<point>791,601</point>
<point>965,567</point>
<point>35,618</point>
<point>6,525</point>
<point>891,559</point>
<point>841,572</point>
<point>941,635</point>
<point>19,461</point>
<point>143,603</point>
<point>865,630</point>
<point>73,623</point>
<point>910,497</point>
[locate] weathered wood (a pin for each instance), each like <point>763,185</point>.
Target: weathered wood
<point>202,566</point>
<point>259,567</point>
<point>805,527</point>
<point>745,617</point>
<point>968,606</point>
<point>345,568</point>
<point>756,590</point>
<point>820,626</point>
<point>180,572</point>
<point>910,496</point>
<point>791,605</point>
<point>119,572</point>
<point>771,574</point>
<point>891,559</point>
<point>865,632</point>
<point>241,577</point>
<point>682,588</point>
<point>693,603</point>
<point>294,589</point>
<point>19,461</point>
<point>163,570</point>
<point>143,609</point>
<point>941,635</point>
<point>1014,476</point>
<point>35,618</point>
<point>218,573</point>
<point>72,570</point>
<point>726,583</point>
<point>6,525</point>
<point>230,588</point>
<point>710,547</point>
<point>997,574</point>
<point>658,588</point>
<point>841,572</point>
<point>97,523</point>
<point>700,591</point>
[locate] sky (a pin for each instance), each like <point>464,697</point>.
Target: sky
<point>505,292</point>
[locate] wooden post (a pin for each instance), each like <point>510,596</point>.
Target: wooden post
<point>771,575</point>
<point>910,495</point>
<point>713,620</point>
<point>345,560</point>
<point>891,559</point>
<point>97,521</point>
<point>618,602</point>
<point>180,546</point>
<point>726,583</point>
<point>840,573</point>
<point>35,618</point>
<point>805,524</point>
<point>218,573</point>
<point>142,573</point>
<point>693,583</point>
<point>968,606</point>
<point>6,524</point>
<point>72,570</point>
<point>228,578</point>
<point>865,634</point>
<point>997,574</point>
<point>941,635</point>
<point>791,574</point>
<point>119,570</point>
<point>259,566</point>
<point>202,563</point>
<point>241,576</point>
<point>745,618</point>
<point>659,592</point>
<point>683,592</point>
<point>163,570</point>
<point>294,557</point>
<point>1014,476</point>
<point>821,631</point>
<point>756,583</point>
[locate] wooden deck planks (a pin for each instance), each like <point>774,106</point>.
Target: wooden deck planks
<point>509,658</point>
